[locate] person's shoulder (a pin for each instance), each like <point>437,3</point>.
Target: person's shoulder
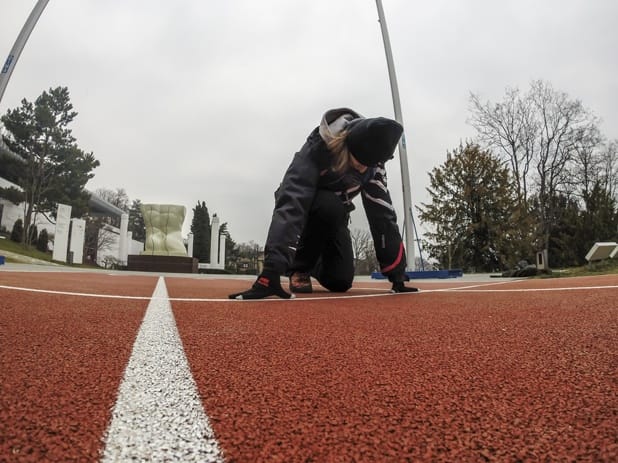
<point>314,137</point>
<point>315,150</point>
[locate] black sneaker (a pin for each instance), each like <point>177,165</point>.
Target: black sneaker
<point>300,282</point>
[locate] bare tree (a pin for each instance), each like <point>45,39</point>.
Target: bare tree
<point>549,140</point>
<point>250,257</point>
<point>117,197</point>
<point>565,128</point>
<point>609,168</point>
<point>508,129</point>
<point>98,237</point>
<point>361,241</point>
<point>364,252</point>
<point>586,167</point>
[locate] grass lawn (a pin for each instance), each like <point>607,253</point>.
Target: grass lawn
<point>7,245</point>
<point>607,266</point>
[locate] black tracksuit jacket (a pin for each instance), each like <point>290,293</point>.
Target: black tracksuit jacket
<point>311,170</point>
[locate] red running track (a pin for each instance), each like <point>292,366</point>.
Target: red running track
<point>495,372</point>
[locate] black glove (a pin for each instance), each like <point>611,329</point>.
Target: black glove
<point>268,283</point>
<point>398,281</point>
<point>399,287</point>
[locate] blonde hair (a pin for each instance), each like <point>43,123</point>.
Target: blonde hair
<point>338,147</point>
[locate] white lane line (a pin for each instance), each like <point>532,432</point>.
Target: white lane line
<point>71,293</point>
<point>385,292</point>
<point>452,288</point>
<point>158,415</point>
<point>521,290</point>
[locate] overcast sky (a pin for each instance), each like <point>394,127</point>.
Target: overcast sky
<point>195,100</point>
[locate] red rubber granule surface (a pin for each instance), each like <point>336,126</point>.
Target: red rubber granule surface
<point>62,359</point>
<point>435,376</point>
<point>81,282</point>
<point>427,377</point>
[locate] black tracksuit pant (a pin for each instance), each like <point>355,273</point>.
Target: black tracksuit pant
<point>325,247</point>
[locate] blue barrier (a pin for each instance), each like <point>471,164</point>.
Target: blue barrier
<point>1,260</point>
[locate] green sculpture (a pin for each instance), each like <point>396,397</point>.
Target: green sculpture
<point>163,229</point>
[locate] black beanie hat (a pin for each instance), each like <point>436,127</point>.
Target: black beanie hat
<point>373,140</point>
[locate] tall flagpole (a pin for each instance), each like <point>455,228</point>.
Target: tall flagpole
<point>22,38</point>
<point>403,156</point>
<point>11,60</point>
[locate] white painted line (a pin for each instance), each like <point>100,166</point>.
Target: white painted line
<point>454,288</point>
<point>70,293</point>
<point>521,290</point>
<point>158,415</point>
<point>385,293</point>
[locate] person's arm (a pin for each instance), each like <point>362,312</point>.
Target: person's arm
<point>293,200</point>
<point>382,220</point>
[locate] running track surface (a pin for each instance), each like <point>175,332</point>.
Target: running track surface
<point>505,371</point>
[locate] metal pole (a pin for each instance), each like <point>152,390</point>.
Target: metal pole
<point>403,156</point>
<point>22,38</point>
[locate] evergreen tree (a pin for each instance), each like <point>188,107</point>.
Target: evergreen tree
<point>136,221</point>
<point>599,220</point>
<point>231,254</point>
<point>602,214</point>
<point>13,195</point>
<point>564,246</point>
<point>54,169</point>
<point>231,249</point>
<point>576,229</point>
<point>200,227</point>
<point>472,211</point>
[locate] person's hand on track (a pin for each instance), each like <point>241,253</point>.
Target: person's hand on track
<point>400,287</point>
<point>267,284</point>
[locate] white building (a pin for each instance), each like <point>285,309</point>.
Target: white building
<point>118,244</point>
<point>10,213</point>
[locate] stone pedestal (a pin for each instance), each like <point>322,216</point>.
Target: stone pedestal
<point>164,264</point>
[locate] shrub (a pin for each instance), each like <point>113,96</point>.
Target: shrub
<point>41,243</point>
<point>18,231</point>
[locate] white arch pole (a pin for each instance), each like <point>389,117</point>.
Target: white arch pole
<point>403,156</point>
<point>22,38</point>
